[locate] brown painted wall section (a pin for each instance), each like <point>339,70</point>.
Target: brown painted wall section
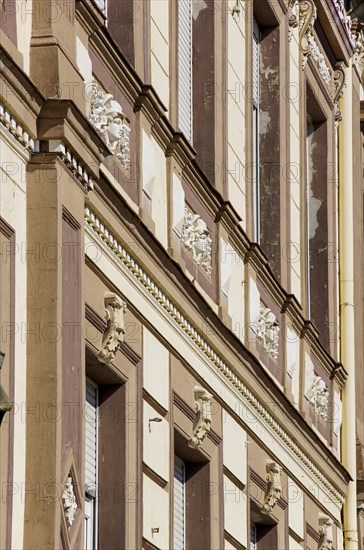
<point>204,93</point>
<point>269,161</point>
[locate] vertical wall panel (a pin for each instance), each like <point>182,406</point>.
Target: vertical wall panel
<point>185,67</point>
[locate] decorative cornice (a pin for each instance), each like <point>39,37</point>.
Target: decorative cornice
<point>149,103</point>
<point>17,130</point>
<point>312,532</point>
<point>107,237</point>
<point>71,161</point>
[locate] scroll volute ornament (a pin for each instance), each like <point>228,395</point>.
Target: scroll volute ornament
<point>114,335</point>
<point>339,81</point>
<point>325,531</point>
<point>274,489</point>
<point>203,418</point>
<point>307,17</point>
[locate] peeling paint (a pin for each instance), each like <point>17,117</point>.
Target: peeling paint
<point>197,7</point>
<point>315,205</point>
<point>264,122</point>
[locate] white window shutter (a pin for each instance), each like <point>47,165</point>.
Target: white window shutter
<point>91,438</point>
<point>253,536</point>
<point>179,506</point>
<point>256,61</point>
<point>185,97</point>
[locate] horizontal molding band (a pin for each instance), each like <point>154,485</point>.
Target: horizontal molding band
<point>106,235</point>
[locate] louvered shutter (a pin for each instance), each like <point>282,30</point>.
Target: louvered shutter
<point>185,113</point>
<point>256,60</point>
<point>179,519</point>
<point>91,438</point>
<point>253,537</point>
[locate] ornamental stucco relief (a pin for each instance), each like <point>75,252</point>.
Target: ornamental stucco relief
<point>108,118</point>
<point>274,489</point>
<point>203,419</point>
<point>325,531</point>
<point>196,238</point>
<point>268,331</point>
<point>69,502</point>
<point>318,396</point>
<point>114,335</point>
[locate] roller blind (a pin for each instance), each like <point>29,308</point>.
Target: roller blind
<point>256,61</point>
<point>179,516</point>
<point>91,438</point>
<point>253,536</point>
<point>185,112</point>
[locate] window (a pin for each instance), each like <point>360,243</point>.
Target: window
<point>253,537</point>
<point>185,84</point>
<point>179,505</point>
<point>91,448</point>
<point>191,501</point>
<point>266,136</point>
<point>319,245</point>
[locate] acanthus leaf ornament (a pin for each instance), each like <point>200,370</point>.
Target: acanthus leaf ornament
<point>203,418</point>
<point>339,82</point>
<point>197,240</point>
<point>114,335</point>
<point>69,499</point>
<point>325,531</point>
<point>307,16</point>
<point>293,20</point>
<point>268,331</point>
<point>318,396</point>
<point>357,35</point>
<point>274,489</point>
<point>110,121</point>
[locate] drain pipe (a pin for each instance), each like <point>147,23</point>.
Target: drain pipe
<point>347,321</point>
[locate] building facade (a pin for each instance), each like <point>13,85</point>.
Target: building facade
<point>181,275</point>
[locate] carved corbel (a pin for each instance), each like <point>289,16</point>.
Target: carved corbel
<point>357,35</point>
<point>325,531</point>
<point>114,335</point>
<point>307,17</point>
<point>274,489</point>
<point>203,418</point>
<point>339,81</point>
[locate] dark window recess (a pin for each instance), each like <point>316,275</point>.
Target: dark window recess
<point>204,89</point>
<point>317,218</point>
<point>269,146</point>
<point>192,472</point>
<point>263,531</point>
<point>121,23</point>
<point>105,473</point>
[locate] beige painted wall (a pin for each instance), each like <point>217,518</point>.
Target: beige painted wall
<point>13,210</point>
<point>159,37</point>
